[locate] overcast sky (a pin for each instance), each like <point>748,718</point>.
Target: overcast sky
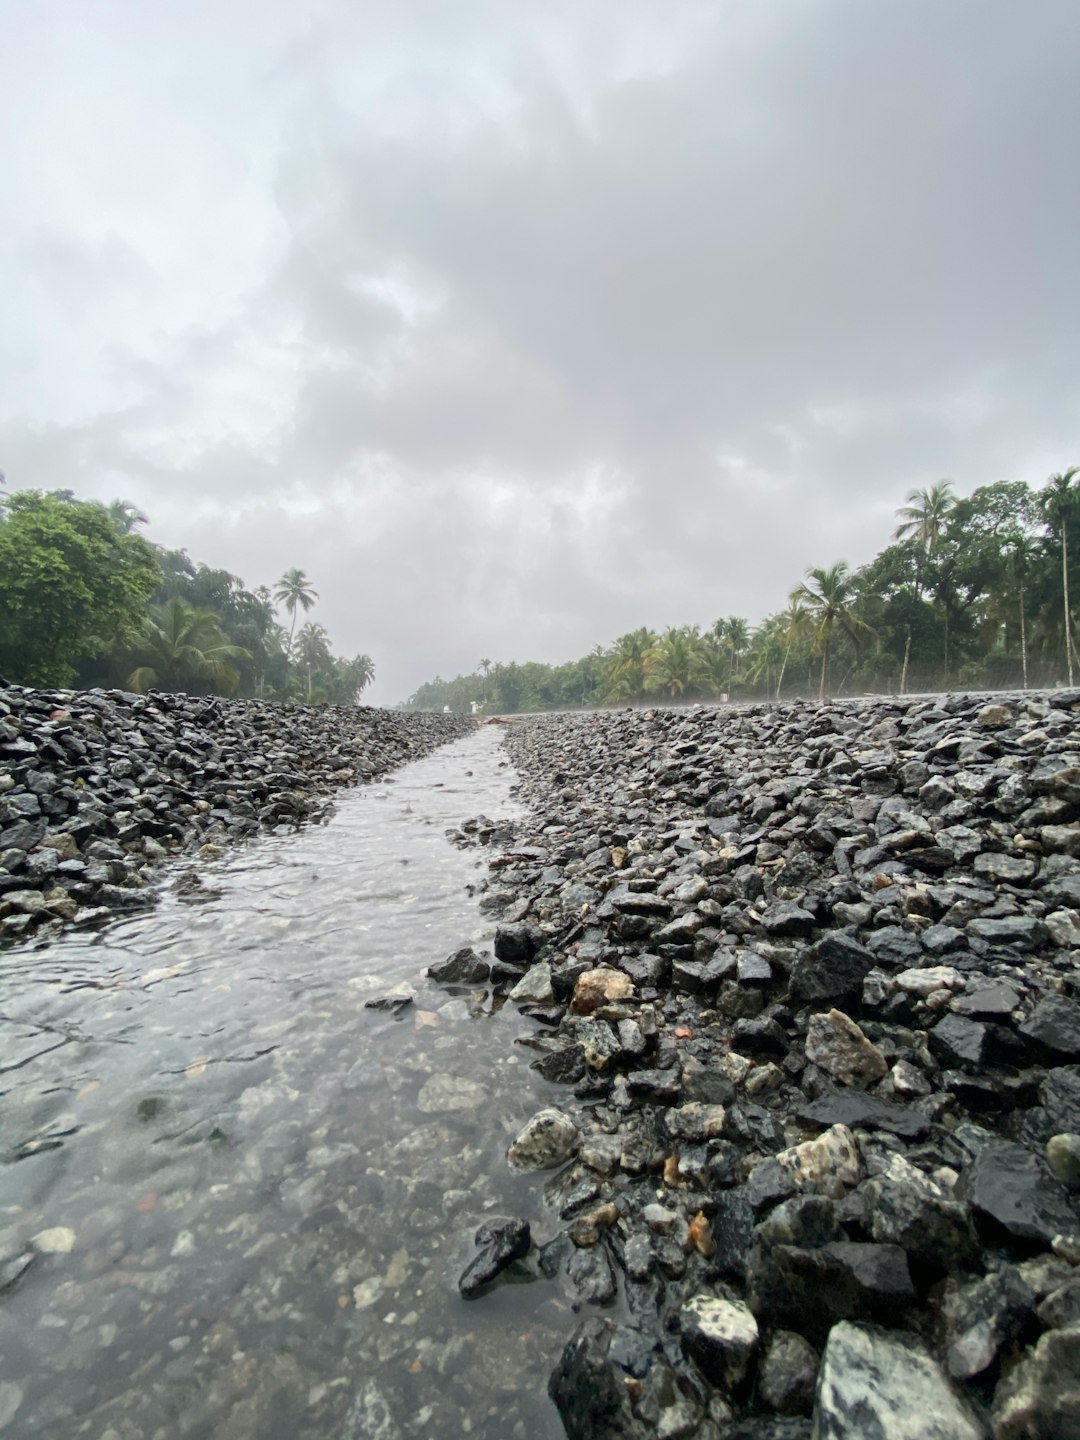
<point>519,325</point>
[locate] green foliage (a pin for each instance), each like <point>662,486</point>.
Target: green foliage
<point>73,585</point>
<point>974,590</point>
<point>88,601</point>
<point>182,648</point>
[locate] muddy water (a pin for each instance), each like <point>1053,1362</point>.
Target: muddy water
<point>234,1202</point>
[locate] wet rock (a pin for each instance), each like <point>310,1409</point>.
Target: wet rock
<point>564,1066</point>
<point>547,1140</point>
<point>1063,1158</point>
<point>786,918</point>
<point>841,1280</point>
<point>441,1094</point>
<point>720,1336</point>
<point>829,1164</point>
<point>984,1316</point>
<point>591,1276</point>
<point>1040,1398</point>
<point>517,944</point>
<point>464,967</point>
<point>865,1112</point>
<point>1053,1030</point>
<point>788,1374</point>
<point>1012,1191</point>
<point>534,987</point>
<point>588,1385</point>
<point>835,966</point>
<point>956,1040</point>
<point>600,987</point>
<point>838,1046</point>
<point>499,1243</point>
<point>879,1383</point>
<point>909,1208</point>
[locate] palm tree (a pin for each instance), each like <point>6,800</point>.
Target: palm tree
<point>292,590</point>
<point>1022,551</point>
<point>312,650</point>
<point>923,517</point>
<point>922,520</point>
<point>625,677</point>
<point>1057,501</point>
<point>828,601</point>
<point>794,623</point>
<point>733,634</point>
<point>364,669</point>
<point>185,647</point>
<point>125,515</point>
<point>678,661</point>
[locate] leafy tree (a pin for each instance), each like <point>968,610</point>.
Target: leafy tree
<point>72,586</point>
<point>184,649</point>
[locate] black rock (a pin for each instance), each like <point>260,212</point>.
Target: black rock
<point>561,1067</point>
<point>955,1040</point>
<point>860,1111</point>
<point>588,1385</point>
<point>844,1280</point>
<point>1053,1030</point>
<point>499,1243</point>
<point>464,967</point>
<point>833,967</point>
<point>1014,1195</point>
<point>787,918</point>
<point>517,944</point>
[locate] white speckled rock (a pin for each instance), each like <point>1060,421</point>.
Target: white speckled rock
<point>840,1048</point>
<point>885,1384</point>
<point>720,1336</point>
<point>829,1163</point>
<point>548,1139</point>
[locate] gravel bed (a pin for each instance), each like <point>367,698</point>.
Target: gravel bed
<point>97,787</point>
<point>805,995</point>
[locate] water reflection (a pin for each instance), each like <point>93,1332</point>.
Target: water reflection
<point>234,1202</point>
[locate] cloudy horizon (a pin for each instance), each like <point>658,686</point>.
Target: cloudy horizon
<point>519,327</point>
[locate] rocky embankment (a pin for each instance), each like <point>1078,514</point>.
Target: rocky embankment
<point>807,980</point>
<point>98,786</point>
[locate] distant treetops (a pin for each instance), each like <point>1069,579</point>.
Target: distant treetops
<point>87,600</point>
<point>971,592</point>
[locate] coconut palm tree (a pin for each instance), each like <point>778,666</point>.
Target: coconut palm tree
<point>185,648</point>
<point>625,676</point>
<point>126,515</point>
<point>922,520</point>
<point>312,650</point>
<point>828,601</point>
<point>924,516</point>
<point>294,590</point>
<point>733,634</point>
<point>1058,503</point>
<point>678,662</point>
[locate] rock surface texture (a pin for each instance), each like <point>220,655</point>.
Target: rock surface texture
<point>804,979</point>
<point>97,786</point>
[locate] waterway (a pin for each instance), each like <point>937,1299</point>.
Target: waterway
<point>235,1201</point>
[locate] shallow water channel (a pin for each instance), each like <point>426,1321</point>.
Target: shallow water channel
<point>245,1199</point>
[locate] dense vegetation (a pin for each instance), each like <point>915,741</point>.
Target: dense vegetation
<point>971,592</point>
<point>88,601</point>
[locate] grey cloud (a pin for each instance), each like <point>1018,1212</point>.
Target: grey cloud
<point>559,341</point>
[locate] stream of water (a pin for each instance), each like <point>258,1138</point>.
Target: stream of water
<point>234,1202</point>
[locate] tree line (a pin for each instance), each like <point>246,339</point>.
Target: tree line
<point>88,600</point>
<point>971,592</point>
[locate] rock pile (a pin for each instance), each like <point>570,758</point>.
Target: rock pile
<point>97,786</point>
<point>808,979</point>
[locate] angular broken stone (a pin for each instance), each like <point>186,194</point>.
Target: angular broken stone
<point>838,1046</point>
